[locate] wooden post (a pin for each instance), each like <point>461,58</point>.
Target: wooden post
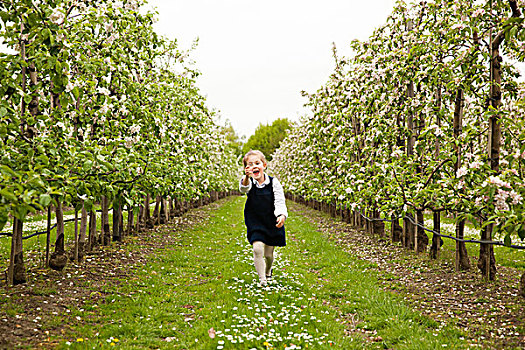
<point>129,228</point>
<point>92,228</point>
<point>76,235</point>
<point>461,261</point>
<point>48,234</point>
<point>82,232</point>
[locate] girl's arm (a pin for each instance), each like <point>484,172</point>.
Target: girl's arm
<point>280,203</point>
<point>246,185</point>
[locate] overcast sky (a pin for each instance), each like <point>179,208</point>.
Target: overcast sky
<point>256,56</point>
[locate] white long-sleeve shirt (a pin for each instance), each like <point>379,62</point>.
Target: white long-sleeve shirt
<point>278,193</point>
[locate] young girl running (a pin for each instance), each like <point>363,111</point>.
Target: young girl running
<point>264,213</point>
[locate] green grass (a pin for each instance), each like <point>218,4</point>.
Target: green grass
<point>206,283</point>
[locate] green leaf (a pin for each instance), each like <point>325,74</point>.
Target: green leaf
<point>76,92</point>
<point>78,206</point>
<point>45,33</point>
<point>3,218</point>
<point>87,165</point>
<point>521,233</point>
<point>28,98</point>
<point>43,158</point>
<point>4,169</point>
<point>44,200</point>
<point>4,16</point>
<point>7,195</point>
<point>88,205</point>
<point>20,212</point>
<point>507,240</point>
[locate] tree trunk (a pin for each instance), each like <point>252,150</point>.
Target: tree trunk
<point>436,227</point>
<point>92,229</point>
<point>75,253</point>
<point>379,227</point>
<point>121,222</point>
<point>487,260</point>
<point>162,210</point>
<point>408,233</point>
<point>156,211</point>
<point>421,236</point>
<point>166,210</point>
<point>396,229</point>
<point>17,270</point>
<point>48,234</point>
<point>116,218</point>
<point>172,206</point>
<point>58,259</point>
<point>147,214</point>
<point>462,260</point>
<point>436,239</point>
<point>82,233</point>
<point>33,105</point>
<point>408,227</point>
<point>131,216</point>
<point>105,232</point>
<point>140,216</point>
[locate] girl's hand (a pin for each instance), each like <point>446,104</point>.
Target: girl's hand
<point>248,171</point>
<point>280,221</point>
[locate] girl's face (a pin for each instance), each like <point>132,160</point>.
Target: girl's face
<point>256,166</point>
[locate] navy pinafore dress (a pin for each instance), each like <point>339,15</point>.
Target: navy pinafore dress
<point>259,216</point>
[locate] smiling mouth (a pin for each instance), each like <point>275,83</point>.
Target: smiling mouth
<point>256,172</point>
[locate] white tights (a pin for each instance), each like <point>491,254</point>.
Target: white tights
<point>262,259</point>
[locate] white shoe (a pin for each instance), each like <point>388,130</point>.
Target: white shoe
<point>269,277</point>
<point>262,284</point>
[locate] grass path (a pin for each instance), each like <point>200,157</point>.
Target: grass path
<point>200,292</point>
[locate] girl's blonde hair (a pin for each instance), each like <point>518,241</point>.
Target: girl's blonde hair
<point>254,153</point>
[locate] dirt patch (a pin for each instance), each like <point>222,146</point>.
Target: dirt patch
<point>41,313</point>
<point>492,315</point>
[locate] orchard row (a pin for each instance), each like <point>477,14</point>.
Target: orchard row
<point>428,116</point>
<point>96,107</point>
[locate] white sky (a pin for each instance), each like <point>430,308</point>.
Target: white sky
<point>256,56</point>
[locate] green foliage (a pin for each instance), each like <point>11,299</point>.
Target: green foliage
<point>268,137</point>
<point>380,135</point>
<point>111,109</point>
<point>233,141</point>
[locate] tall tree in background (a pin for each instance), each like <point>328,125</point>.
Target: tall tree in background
<point>267,138</point>
<point>234,141</point>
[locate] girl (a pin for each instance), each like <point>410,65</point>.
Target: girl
<point>264,213</point>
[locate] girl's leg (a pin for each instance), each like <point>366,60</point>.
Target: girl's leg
<point>258,260</point>
<point>268,256</point>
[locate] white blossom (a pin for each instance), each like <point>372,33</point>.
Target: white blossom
<point>104,109</point>
<point>103,91</point>
<point>461,172</point>
<point>57,16</point>
<point>134,129</point>
<point>70,86</point>
<point>478,12</point>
